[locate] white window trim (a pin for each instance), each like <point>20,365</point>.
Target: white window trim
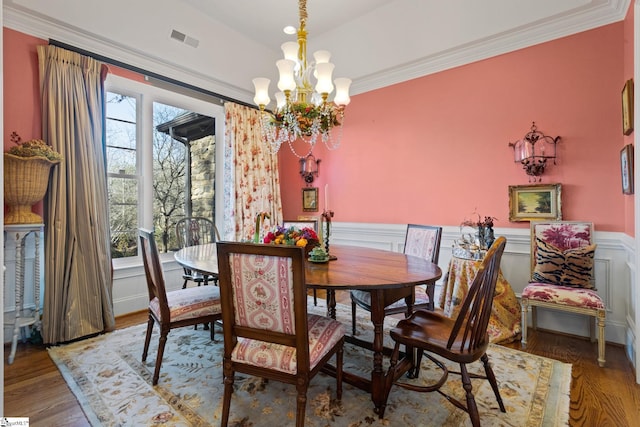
<point>146,95</point>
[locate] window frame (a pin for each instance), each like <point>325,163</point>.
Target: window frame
<point>146,94</point>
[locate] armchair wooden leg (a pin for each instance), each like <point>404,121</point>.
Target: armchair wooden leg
<point>525,314</point>
<point>601,338</point>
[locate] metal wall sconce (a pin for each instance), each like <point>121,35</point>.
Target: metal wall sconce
<point>533,151</point>
<point>309,168</point>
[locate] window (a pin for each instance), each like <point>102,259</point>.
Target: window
<point>161,157</point>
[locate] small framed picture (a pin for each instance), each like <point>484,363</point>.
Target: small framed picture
<point>310,199</point>
<point>626,166</point>
<point>535,202</point>
<point>627,107</point>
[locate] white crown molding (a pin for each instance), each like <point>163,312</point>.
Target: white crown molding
<point>590,17</point>
<point>594,14</point>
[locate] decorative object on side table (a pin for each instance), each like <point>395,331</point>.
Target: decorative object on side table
<point>293,236</point>
<point>474,245</point>
<point>26,178</point>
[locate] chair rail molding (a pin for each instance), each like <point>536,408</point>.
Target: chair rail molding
<point>614,271</point>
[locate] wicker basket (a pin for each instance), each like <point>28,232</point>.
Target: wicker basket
<point>25,183</point>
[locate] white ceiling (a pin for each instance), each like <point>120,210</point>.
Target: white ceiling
<point>374,42</point>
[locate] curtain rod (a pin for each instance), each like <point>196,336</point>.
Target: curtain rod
<point>150,75</point>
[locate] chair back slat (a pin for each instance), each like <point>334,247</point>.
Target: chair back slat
<point>153,270</point>
<point>193,231</point>
<point>423,241</point>
<point>470,327</point>
<point>263,293</point>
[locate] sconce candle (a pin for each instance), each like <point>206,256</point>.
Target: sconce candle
<point>326,197</point>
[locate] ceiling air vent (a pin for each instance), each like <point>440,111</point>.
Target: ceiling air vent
<point>183,38</point>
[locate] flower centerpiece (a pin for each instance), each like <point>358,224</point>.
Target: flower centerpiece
<point>26,177</point>
<point>293,236</point>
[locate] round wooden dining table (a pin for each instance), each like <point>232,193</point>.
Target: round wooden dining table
<point>367,269</point>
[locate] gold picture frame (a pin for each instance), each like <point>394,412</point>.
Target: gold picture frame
<point>535,202</point>
<point>626,169</point>
<point>310,199</point>
<point>627,107</point>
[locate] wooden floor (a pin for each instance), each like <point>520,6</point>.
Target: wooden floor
<point>609,396</point>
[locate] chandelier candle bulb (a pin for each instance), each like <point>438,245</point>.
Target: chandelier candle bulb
<point>261,85</point>
<point>342,91</point>
<point>290,50</point>
<point>324,85</point>
<point>286,68</point>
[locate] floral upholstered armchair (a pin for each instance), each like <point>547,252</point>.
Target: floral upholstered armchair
<point>562,257</point>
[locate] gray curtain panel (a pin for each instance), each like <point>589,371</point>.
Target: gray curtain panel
<point>78,274</point>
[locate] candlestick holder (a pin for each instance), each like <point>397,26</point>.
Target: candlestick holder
<point>326,216</point>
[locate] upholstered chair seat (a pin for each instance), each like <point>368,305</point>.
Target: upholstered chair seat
<point>563,295</point>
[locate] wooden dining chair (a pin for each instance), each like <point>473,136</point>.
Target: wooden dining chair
<point>267,331</point>
<point>422,241</point>
<point>562,256</point>
<point>192,231</point>
<point>462,340</point>
<point>174,309</point>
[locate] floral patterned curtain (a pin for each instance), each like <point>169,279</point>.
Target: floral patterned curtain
<point>252,181</point>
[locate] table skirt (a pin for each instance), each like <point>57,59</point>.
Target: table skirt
<point>504,324</point>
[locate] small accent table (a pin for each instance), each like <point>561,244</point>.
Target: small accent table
<point>22,319</point>
<point>504,323</point>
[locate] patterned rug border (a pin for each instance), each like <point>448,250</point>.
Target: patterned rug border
<point>99,413</point>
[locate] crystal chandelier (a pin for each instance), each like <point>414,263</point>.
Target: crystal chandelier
<point>302,113</point>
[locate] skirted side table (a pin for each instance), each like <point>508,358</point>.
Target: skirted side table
<point>504,323</point>
<point>23,319</point>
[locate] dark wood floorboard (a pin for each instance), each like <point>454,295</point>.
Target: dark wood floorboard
<point>609,396</point>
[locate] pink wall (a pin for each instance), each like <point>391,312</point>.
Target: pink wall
<point>434,149</point>
<point>629,209</point>
<point>21,92</point>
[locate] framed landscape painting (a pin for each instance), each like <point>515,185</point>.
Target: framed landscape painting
<point>535,202</point>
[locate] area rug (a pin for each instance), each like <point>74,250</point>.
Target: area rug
<point>114,387</point>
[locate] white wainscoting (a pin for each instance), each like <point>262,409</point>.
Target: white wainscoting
<point>613,269</point>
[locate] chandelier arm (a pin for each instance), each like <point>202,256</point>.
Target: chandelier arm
<point>303,112</point>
